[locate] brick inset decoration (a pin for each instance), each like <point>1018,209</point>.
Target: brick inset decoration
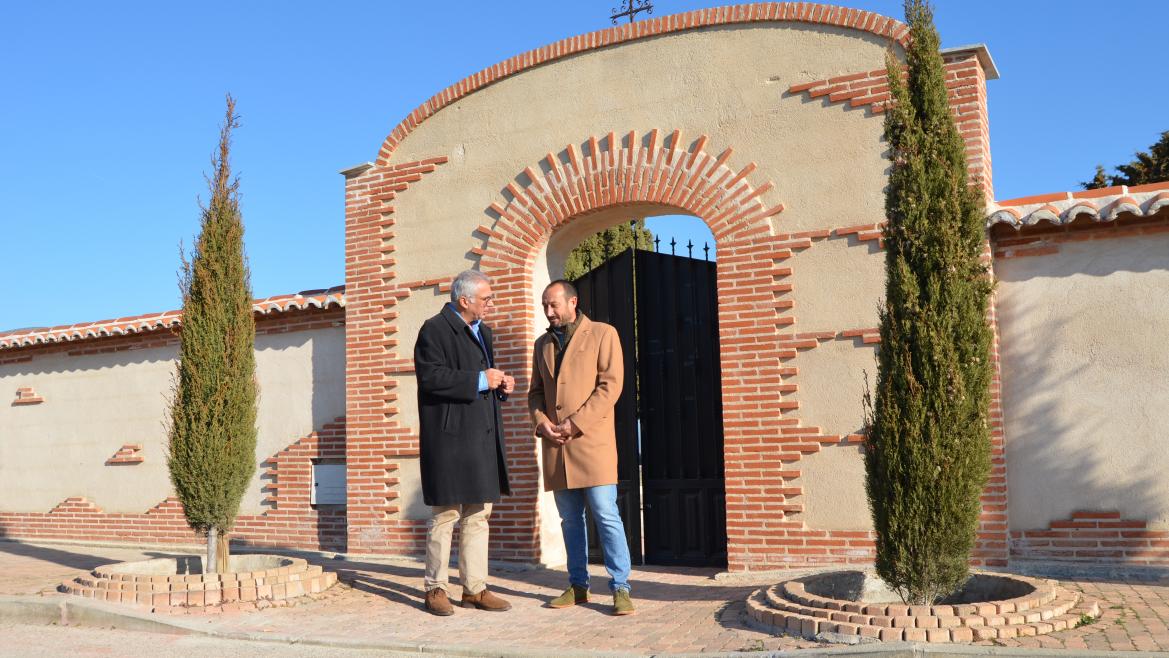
<point>291,523</point>
<point>792,12</point>
<point>1051,243</point>
<point>966,85</point>
<point>183,593</point>
<point>127,454</point>
<point>1093,536</point>
<point>26,395</point>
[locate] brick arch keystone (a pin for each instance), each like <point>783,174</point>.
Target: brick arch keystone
<point>790,12</point>
<point>623,172</point>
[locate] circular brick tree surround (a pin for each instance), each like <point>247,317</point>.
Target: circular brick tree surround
<point>1028,606</point>
<point>162,585</point>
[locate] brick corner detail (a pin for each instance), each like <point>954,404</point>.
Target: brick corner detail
<point>127,454</point>
<point>25,395</point>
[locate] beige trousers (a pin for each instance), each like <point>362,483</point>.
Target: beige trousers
<point>473,533</point>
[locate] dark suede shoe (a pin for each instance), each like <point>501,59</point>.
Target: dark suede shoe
<point>485,600</point>
<point>573,595</point>
<point>437,603</point>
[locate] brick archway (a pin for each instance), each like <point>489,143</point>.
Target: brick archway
<point>612,172</point>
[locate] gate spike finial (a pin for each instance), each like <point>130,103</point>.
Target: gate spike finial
<point>705,251</point>
<point>673,242</point>
<point>657,244</point>
<point>690,248</point>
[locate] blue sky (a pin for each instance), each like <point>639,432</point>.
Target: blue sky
<point>110,112</point>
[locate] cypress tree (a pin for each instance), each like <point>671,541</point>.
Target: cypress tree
<point>928,441</point>
<point>212,448</point>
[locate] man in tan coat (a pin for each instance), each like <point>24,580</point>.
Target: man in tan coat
<point>577,372</point>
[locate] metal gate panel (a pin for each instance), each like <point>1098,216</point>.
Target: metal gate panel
<point>681,411</point>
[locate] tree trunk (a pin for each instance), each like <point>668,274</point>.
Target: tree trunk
<point>212,561</point>
<point>222,553</point>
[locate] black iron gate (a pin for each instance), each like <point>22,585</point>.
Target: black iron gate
<point>665,309</point>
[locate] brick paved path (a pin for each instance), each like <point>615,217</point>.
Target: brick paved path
<point>679,610</point>
<point>676,612</point>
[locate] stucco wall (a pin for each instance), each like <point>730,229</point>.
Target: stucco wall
<point>831,382</point>
<point>95,403</point>
<point>837,284</point>
<point>833,483</point>
<point>1086,391</point>
<point>826,161</point>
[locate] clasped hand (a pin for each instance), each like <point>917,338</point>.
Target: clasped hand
<point>559,434</point>
<point>497,379</point>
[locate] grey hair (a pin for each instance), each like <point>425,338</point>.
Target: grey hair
<point>466,284</point>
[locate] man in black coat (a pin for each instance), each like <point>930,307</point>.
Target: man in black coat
<point>463,467</point>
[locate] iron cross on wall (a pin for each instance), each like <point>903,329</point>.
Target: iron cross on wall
<point>632,8</point>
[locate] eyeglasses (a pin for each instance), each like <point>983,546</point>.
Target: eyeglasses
<point>486,300</point>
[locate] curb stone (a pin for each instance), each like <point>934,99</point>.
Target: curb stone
<point>59,610</point>
<point>62,610</point>
<point>66,612</point>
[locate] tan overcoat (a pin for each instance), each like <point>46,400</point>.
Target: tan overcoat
<point>586,391</point>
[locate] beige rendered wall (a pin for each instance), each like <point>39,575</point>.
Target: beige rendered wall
<point>831,382</point>
<point>1086,380</point>
<point>727,82</point>
<point>96,403</point>
<point>836,286</point>
<point>833,481</point>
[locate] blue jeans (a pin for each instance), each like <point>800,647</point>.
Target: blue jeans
<point>602,501</point>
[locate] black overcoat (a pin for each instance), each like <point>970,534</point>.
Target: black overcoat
<point>461,430</point>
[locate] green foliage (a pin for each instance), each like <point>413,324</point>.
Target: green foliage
<point>1150,166</point>
<point>212,449</point>
<point>597,248</point>
<point>1098,181</point>
<point>928,444</point>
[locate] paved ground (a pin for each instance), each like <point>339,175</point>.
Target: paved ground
<point>679,610</point>
<point>25,641</point>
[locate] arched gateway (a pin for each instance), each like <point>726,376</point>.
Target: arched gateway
<point>762,120</point>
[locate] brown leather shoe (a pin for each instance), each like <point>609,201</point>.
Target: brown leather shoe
<point>437,603</point>
<point>485,600</point>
